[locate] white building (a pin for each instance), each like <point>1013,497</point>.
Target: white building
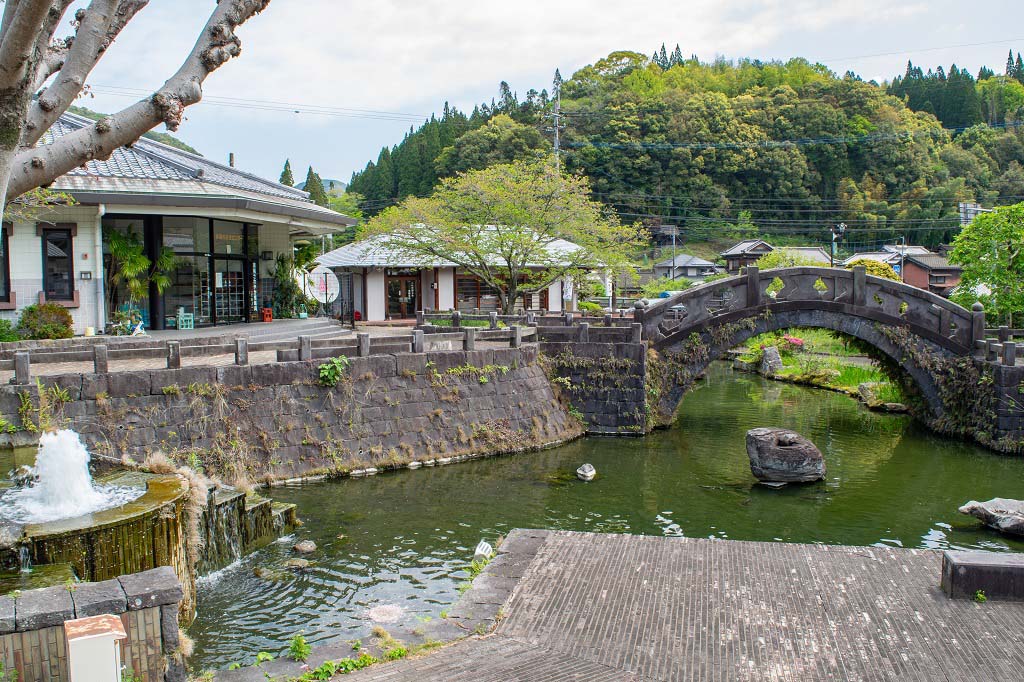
<point>386,285</point>
<point>225,226</point>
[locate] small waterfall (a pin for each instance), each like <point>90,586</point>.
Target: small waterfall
<point>24,559</point>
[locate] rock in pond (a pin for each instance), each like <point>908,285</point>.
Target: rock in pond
<point>771,361</point>
<point>783,456</point>
<point>304,547</point>
<point>587,472</point>
<point>1003,514</point>
<point>297,564</point>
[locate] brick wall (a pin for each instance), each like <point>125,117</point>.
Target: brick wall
<point>32,640</point>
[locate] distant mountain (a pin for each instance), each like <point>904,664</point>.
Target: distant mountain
<point>165,138</point>
<point>338,185</point>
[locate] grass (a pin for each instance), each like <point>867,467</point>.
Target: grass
<point>447,322</point>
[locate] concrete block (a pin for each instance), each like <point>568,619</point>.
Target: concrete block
<point>45,608</point>
<point>999,576</point>
<point>238,375</point>
<point>156,587</point>
<point>6,615</point>
<point>95,599</point>
<point>415,362</point>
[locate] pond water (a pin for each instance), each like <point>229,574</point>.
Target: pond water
<point>403,539</point>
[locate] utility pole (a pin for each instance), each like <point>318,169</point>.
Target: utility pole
<point>557,121</point>
<point>837,234</point>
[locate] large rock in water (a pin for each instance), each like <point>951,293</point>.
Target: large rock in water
<point>783,456</point>
<point>771,361</point>
<point>1003,514</point>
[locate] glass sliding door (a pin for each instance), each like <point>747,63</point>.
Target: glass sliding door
<point>189,291</point>
<point>231,296</point>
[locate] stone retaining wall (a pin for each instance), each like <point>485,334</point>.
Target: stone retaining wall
<point>276,421</point>
<point>32,640</point>
<point>605,383</point>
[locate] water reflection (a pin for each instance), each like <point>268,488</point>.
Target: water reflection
<point>407,536</point>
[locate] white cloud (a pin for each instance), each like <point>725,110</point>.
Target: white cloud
<point>400,56</point>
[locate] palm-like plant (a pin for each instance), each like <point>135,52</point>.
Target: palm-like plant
<point>131,268</point>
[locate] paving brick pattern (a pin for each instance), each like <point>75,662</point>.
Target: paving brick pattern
<point>624,607</point>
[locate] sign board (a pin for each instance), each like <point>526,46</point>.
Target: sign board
<point>322,284</point>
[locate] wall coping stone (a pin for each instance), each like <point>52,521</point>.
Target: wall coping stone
<point>44,608</point>
<point>94,599</point>
<point>156,587</point>
<point>6,615</point>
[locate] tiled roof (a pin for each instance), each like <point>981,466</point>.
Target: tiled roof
<point>907,250</point>
<point>813,252</point>
<point>880,256</point>
<point>375,252</point>
<point>932,261</point>
<point>150,160</point>
<point>744,246</point>
<point>683,260</point>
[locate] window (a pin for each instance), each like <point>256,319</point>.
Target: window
<point>187,235</point>
<point>937,279</point>
<point>58,275</point>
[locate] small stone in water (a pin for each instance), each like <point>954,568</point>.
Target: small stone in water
<point>297,564</point>
<point>385,613</point>
<point>305,547</point>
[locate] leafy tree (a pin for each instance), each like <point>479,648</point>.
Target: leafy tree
<point>43,74</point>
<point>782,258</point>
<point>655,287</point>
<point>315,187</point>
<point>500,140</point>
<point>874,267</point>
<point>990,252</point>
<point>286,174</point>
<point>505,224</point>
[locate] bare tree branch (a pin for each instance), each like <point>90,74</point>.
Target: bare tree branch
<point>217,44</point>
<point>52,52</point>
<point>98,26</point>
<point>18,42</point>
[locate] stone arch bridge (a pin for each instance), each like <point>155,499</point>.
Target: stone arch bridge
<point>910,326</point>
<point>632,381</point>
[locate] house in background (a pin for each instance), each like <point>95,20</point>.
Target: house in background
<point>387,285</point>
<point>744,253</point>
<point>687,267</point>
<point>226,227</point>
<point>748,252</point>
<point>931,272</point>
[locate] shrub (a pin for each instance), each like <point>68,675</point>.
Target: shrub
<point>876,268</point>
<point>589,307</point>
<point>299,650</point>
<point>45,321</point>
<point>7,332</point>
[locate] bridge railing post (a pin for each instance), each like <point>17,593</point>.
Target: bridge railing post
<point>417,340</point>
<point>584,334</point>
<point>755,297</point>
<point>1004,333</point>
<point>860,285</point>
<point>638,332</point>
<point>992,349</point>
<point>977,323</point>
<point>469,338</point>
<point>1010,353</point>
<point>456,318</point>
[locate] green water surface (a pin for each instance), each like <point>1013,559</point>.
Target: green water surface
<point>408,535</point>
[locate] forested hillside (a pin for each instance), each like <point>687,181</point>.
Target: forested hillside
<point>727,149</point>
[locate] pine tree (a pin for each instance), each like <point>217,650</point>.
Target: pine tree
<point>286,174</point>
<point>1018,68</point>
<point>315,187</point>
<point>1011,69</point>
<point>677,56</point>
<point>662,60</point>
<point>556,84</point>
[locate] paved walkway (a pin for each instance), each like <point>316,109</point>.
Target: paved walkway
<point>626,607</point>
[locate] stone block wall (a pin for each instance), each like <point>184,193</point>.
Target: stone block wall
<point>276,421</point>
<point>604,383</point>
<point>32,640</point>
<point>1008,384</point>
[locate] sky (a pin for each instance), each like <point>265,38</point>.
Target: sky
<point>350,77</point>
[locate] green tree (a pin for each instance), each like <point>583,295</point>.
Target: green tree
<point>501,140</point>
<point>875,267</point>
<point>315,187</point>
<point>990,252</point>
<point>509,225</point>
<point>286,174</point>
<point>781,258</point>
